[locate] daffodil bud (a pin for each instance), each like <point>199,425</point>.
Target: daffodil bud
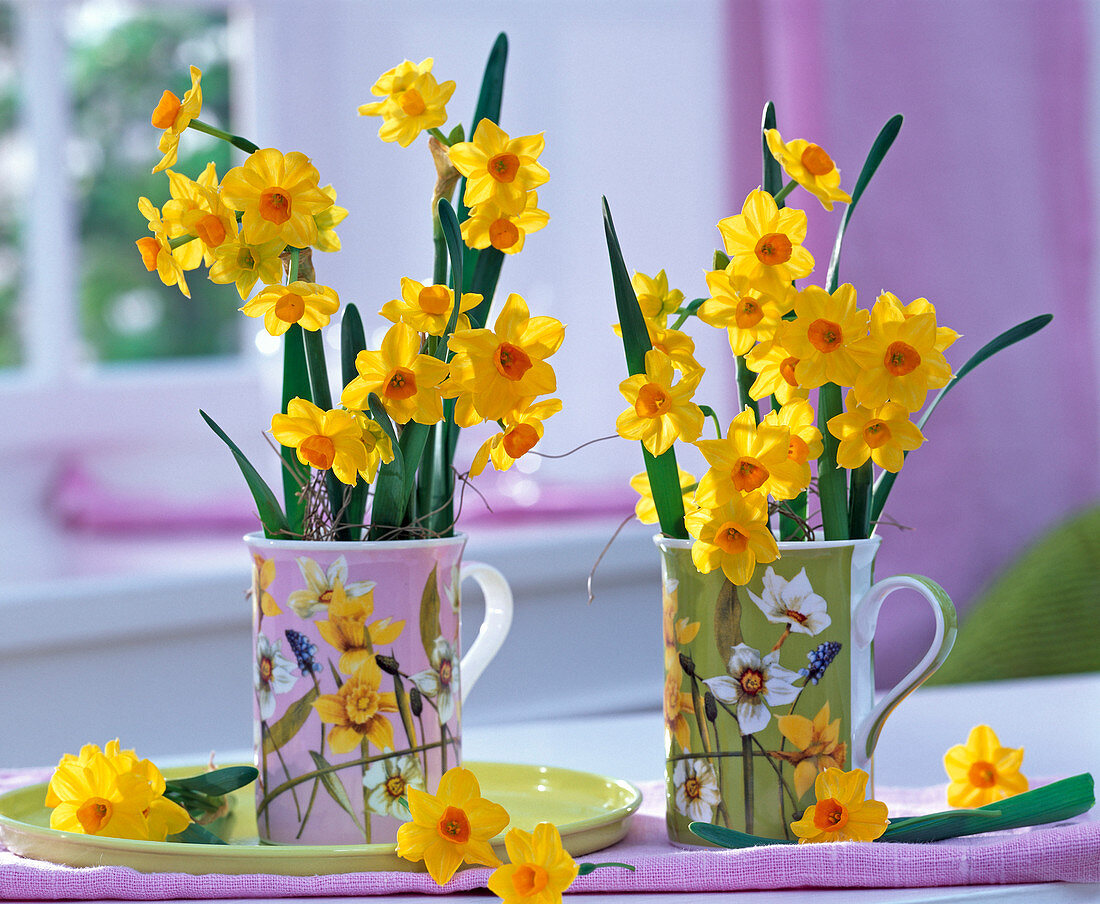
<point>446,176</point>
<point>416,702</point>
<point>687,664</point>
<point>387,664</point>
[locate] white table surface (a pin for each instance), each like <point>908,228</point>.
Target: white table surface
<point>1056,720</point>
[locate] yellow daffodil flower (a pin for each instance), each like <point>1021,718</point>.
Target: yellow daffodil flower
<point>414,101</point>
<point>173,115</point>
<point>242,264</point>
<point>645,509</point>
<point>899,360</point>
<point>406,382</point>
<point>278,195</point>
<point>655,298</point>
<point>308,304</point>
<point>540,868</point>
<point>347,632</point>
<point>325,440</point>
<point>263,573</point>
<point>660,411</point>
<point>677,703</point>
<point>817,746</point>
<point>452,826</point>
<point>764,243</point>
<point>678,345</point>
<point>357,710</point>
<point>883,434</point>
<point>775,367</point>
<point>945,336</point>
<point>733,537</point>
<point>498,168</point>
<point>842,812</point>
<point>327,221</point>
<point>491,224</point>
<point>982,771</point>
<point>749,458</point>
<point>378,444</point>
<point>113,794</point>
<point>427,309</point>
<point>196,209</point>
<point>810,166</point>
<point>501,369</point>
<point>822,335</point>
<point>522,431</point>
<point>799,417</point>
<point>156,253</point>
<point>747,314</point>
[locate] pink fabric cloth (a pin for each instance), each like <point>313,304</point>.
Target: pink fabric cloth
<point>1065,853</point>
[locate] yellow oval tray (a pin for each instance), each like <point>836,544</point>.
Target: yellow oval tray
<point>591,812</point>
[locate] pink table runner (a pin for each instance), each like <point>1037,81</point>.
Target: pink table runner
<point>1069,852</point>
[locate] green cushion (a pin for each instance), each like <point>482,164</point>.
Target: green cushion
<point>1041,616</point>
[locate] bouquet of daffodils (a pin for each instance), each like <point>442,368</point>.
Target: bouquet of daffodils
<point>389,444</point>
<point>871,371</point>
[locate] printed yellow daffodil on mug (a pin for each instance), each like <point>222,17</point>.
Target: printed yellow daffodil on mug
<point>982,771</point>
<point>539,867</point>
<point>842,811</point>
<point>452,826</point>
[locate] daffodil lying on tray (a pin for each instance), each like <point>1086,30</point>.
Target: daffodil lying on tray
<point>111,793</point>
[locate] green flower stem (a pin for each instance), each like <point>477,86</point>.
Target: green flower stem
<point>697,705</point>
<point>784,191</point>
<point>859,502</point>
<point>832,481</point>
<point>439,241</point>
<point>364,746</point>
<point>790,527</point>
<point>317,781</point>
<point>282,762</point>
<point>779,772</point>
<point>745,379</point>
<point>435,133</point>
<point>236,140</point>
<point>723,810</point>
<point>746,776</point>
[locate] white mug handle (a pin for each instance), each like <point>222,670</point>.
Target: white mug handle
<point>864,623</point>
<point>495,625</point>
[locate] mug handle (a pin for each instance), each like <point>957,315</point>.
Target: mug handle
<point>864,623</point>
<point>495,625</point>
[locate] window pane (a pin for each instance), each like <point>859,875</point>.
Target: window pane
<point>122,57</point>
<point>13,164</point>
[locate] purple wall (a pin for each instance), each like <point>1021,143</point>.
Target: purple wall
<point>984,206</point>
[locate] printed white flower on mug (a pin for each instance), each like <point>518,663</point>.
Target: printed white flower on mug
<point>386,782</point>
<point>440,682</point>
<point>697,791</point>
<point>753,685</point>
<point>792,603</point>
<point>317,594</point>
<point>271,674</point>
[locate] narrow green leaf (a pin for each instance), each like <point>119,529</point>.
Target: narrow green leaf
<point>457,134</point>
<point>333,785</point>
<point>217,781</point>
<point>881,145</point>
<point>488,99</point>
<point>585,868</point>
<point>664,476</point>
<point>482,278</point>
<point>832,481</point>
<point>773,173</point>
<point>267,505</point>
<point>318,370</point>
<point>859,502</point>
<point>290,722</point>
<point>1009,337</point>
<point>730,838</point>
<point>295,385</point>
<point>196,834</point>
<point>389,504</point>
<point>353,340</point>
<point>745,379</point>
<point>448,221</point>
<point>430,629</point>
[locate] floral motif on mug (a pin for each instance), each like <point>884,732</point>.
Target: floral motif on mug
<point>347,632</point>
<point>697,791</point>
<point>272,674</point>
<point>754,684</point>
<point>440,682</point>
<point>387,782</point>
<point>792,603</point>
<point>317,594</point>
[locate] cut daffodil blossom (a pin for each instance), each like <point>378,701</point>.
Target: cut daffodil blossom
<point>982,771</point>
<point>196,209</point>
<point>678,345</point>
<point>173,116</point>
<point>657,301</point>
<point>749,458</point>
<point>775,367</point>
<point>822,334</point>
<point>357,711</point>
<point>799,418</point>
<point>945,336</point>
<point>327,221</point>
<point>427,308</point>
<point>237,262</point>
<point>645,509</point>
<point>842,811</point>
<point>278,195</point>
<point>452,826</point>
<point>661,411</point>
<point>406,381</point>
<point>308,304</point>
<point>883,434</point>
<point>747,314</point>
<point>522,431</point>
<point>156,252</point>
<point>413,101</point>
<point>764,243</point>
<point>899,360</point>
<point>491,224</point>
<point>810,166</point>
<point>325,440</point>
<point>378,444</point>
<point>733,537</point>
<point>540,868</point>
<point>498,168</point>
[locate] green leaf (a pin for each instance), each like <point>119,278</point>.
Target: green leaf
<point>290,722</point>
<point>488,99</point>
<point>731,838</point>
<point>267,505</point>
<point>1009,337</point>
<point>585,868</point>
<point>429,614</point>
<point>218,781</point>
<point>483,281</point>
<point>196,834</point>
<point>353,340</point>
<point>295,385</point>
<point>859,502</point>
<point>448,221</point>
<point>832,481</point>
<point>389,504</point>
<point>457,134</point>
<point>333,785</point>
<point>727,619</point>
<point>881,145</point>
<point>318,369</point>
<point>773,172</point>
